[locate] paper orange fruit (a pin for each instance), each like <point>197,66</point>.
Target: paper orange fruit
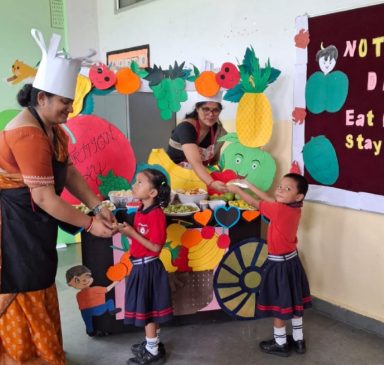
<point>250,215</point>
<point>191,238</point>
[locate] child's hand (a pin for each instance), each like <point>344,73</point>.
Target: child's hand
<point>126,229</point>
<point>233,188</point>
<point>115,227</point>
<point>238,183</point>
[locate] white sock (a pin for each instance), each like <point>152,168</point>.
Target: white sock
<point>152,345</point>
<point>280,335</point>
<point>297,328</point>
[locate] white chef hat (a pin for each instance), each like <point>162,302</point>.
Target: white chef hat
<point>216,98</point>
<point>57,72</point>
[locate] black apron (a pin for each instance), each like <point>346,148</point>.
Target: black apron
<point>28,237</point>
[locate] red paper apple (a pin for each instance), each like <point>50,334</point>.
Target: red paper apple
<point>224,176</point>
<point>101,76</point>
<point>207,232</point>
<point>228,76</point>
<point>223,241</point>
<point>96,147</point>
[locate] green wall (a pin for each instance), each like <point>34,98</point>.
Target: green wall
<point>16,20</point>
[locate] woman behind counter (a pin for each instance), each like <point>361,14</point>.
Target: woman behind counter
<point>34,169</point>
<point>193,143</point>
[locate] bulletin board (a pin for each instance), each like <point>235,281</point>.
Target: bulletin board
<point>345,108</point>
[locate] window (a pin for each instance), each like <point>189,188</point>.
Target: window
<point>125,4</point>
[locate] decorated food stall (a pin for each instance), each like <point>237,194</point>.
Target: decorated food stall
<point>213,251</point>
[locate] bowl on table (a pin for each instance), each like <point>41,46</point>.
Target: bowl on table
<point>191,196</point>
<point>120,197</point>
<point>133,205</point>
<point>213,204</point>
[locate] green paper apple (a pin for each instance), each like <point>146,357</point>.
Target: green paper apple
<point>321,161</point>
<point>326,92</point>
<point>251,163</point>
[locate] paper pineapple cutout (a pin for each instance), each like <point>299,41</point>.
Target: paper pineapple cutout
<point>254,113</point>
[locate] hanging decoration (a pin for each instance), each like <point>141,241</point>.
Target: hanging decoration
<point>244,83</point>
<point>254,113</point>
<point>168,88</point>
<point>101,76</point>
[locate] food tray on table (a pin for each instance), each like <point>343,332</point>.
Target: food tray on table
<point>181,210</point>
<point>241,204</point>
<point>120,197</point>
<point>105,203</point>
<point>191,196</point>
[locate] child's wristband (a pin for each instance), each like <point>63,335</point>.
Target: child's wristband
<point>88,229</point>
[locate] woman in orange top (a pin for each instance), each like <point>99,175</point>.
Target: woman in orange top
<point>34,169</point>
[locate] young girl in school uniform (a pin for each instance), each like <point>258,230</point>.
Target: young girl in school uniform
<point>284,290</point>
<point>147,295</point>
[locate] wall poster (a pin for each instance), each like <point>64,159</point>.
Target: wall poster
<point>123,57</point>
<point>338,134</point>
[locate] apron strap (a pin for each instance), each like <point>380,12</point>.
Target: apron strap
<point>5,299</point>
<point>178,146</point>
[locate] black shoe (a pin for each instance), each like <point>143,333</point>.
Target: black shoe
<point>138,347</point>
<point>298,345</point>
<point>98,333</point>
<point>272,347</point>
<point>145,357</point>
<point>114,311</point>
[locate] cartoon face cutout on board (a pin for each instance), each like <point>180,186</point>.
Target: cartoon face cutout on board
<point>327,64</point>
<point>101,76</point>
<point>251,163</point>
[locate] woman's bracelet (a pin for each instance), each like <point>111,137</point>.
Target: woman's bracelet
<point>88,229</point>
<point>96,210</point>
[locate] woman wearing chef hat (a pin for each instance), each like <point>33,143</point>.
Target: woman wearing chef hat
<point>34,169</point>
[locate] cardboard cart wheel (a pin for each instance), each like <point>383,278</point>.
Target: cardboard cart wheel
<point>238,277</point>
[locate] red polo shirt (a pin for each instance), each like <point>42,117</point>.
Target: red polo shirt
<point>151,224</point>
<point>283,226</point>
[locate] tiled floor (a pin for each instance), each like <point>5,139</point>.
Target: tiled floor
<point>225,342</point>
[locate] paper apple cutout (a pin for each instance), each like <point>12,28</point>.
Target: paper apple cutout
<point>223,241</point>
<point>101,76</point>
<point>207,232</point>
<point>224,176</point>
<point>97,147</point>
<point>228,76</point>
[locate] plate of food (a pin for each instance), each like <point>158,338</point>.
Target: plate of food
<point>191,195</point>
<point>105,203</point>
<point>181,210</point>
<point>239,184</point>
<point>241,204</point>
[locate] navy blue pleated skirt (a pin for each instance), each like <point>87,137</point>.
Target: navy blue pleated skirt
<point>147,295</point>
<point>284,290</point>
